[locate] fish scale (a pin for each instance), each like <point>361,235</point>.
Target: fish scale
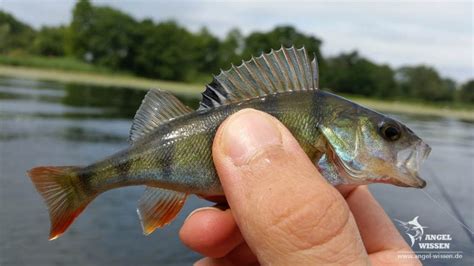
<point>170,148</point>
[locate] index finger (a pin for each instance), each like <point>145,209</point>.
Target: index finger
<point>376,229</point>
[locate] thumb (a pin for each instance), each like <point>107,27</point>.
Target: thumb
<point>287,213</point>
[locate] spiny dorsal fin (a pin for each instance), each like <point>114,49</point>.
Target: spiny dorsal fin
<point>157,107</point>
<point>287,69</point>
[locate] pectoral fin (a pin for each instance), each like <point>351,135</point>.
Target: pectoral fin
<point>158,207</point>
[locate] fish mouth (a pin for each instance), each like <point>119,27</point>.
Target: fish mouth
<point>409,161</point>
<point>402,173</point>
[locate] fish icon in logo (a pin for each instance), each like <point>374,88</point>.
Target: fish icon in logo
<point>413,229</point>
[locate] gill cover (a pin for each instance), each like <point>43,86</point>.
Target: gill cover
<point>344,160</point>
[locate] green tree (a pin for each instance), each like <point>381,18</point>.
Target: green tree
<point>423,82</point>
<point>50,41</point>
<point>15,36</point>
<point>466,92</point>
<point>259,42</point>
<point>81,29</point>
<point>230,49</point>
<point>113,41</point>
<point>384,80</point>
<point>351,73</point>
<point>206,52</point>
<point>108,37</point>
<point>164,51</point>
<point>103,35</point>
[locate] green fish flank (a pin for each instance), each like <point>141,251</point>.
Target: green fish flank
<point>170,148</point>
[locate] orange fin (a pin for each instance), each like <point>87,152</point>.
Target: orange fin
<point>158,207</point>
<point>61,191</point>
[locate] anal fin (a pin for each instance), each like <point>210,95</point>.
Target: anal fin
<point>158,207</point>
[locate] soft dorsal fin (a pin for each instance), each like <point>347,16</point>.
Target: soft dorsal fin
<point>287,69</point>
<point>157,107</point>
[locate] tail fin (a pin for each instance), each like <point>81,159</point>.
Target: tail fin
<point>63,192</point>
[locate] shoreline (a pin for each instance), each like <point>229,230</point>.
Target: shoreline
<point>99,79</point>
<point>189,89</point>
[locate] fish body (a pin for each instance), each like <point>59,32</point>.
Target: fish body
<point>171,144</point>
<point>177,155</point>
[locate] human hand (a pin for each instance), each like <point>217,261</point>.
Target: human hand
<point>282,211</point>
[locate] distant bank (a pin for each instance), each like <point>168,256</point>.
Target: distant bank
<point>99,79</point>
<point>112,80</point>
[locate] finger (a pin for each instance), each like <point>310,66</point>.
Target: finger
<point>346,190</point>
<point>376,228</point>
<point>379,234</point>
<point>286,211</point>
<point>217,199</point>
<point>211,232</point>
<point>212,262</point>
<point>242,255</point>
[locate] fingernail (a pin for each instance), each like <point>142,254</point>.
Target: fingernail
<point>246,134</point>
<point>201,209</point>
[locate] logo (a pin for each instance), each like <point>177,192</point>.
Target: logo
<point>413,229</point>
<point>425,244</point>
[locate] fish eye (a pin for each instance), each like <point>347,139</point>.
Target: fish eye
<point>390,131</point>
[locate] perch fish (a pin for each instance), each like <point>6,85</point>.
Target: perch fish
<point>170,144</point>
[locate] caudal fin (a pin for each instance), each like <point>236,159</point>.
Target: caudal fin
<point>63,193</point>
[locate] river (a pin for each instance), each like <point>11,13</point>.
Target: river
<point>44,123</point>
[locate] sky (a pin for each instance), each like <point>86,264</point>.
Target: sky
<point>437,33</point>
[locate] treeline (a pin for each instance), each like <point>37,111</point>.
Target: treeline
<point>109,38</point>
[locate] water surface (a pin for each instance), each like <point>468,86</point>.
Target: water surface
<point>44,123</point>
